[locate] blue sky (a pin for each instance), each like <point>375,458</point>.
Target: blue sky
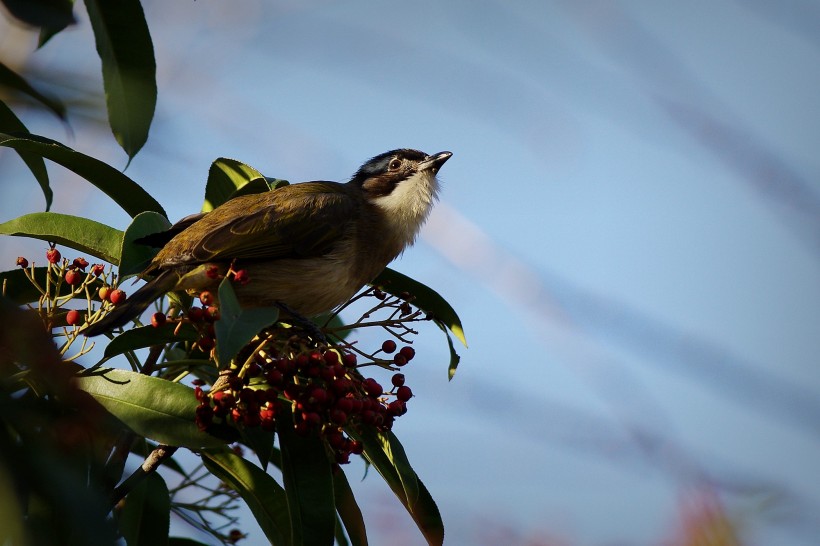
<point>629,228</point>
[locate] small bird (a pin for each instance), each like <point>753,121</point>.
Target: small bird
<point>307,248</point>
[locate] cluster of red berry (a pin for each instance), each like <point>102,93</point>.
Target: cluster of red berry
<point>325,390</point>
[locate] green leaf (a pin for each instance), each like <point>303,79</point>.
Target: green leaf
<point>454,358</point>
<point>266,499</point>
<point>145,518</point>
<point>386,454</point>
<point>134,257</point>
<point>236,327</point>
<point>148,336</point>
<point>79,233</point>
<point>9,123</point>
<point>260,441</point>
<point>128,69</point>
<point>426,299</point>
<point>154,408</point>
<point>10,78</point>
<point>348,509</point>
<point>121,189</point>
<point>54,27</point>
<point>184,541</point>
<point>308,479</point>
<point>225,177</point>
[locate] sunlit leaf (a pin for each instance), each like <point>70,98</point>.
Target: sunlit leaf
<point>236,326</point>
<point>308,479</point>
<point>154,408</point>
<point>225,177</point>
<point>10,78</point>
<point>122,190</point>
<point>145,518</point>
<point>76,232</point>
<point>128,68</point>
<point>425,298</point>
<point>10,123</point>
<point>386,454</point>
<point>134,257</point>
<point>263,495</point>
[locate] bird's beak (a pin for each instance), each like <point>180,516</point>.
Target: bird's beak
<point>435,161</point>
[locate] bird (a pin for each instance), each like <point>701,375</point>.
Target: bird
<point>307,248</point>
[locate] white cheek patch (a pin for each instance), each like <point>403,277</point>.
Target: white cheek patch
<point>410,202</point>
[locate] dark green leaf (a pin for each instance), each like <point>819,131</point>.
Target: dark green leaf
<point>9,123</point>
<point>183,541</point>
<point>236,327</point>
<point>260,441</point>
<point>124,191</point>
<point>265,498</point>
<point>145,518</point>
<point>349,510</point>
<point>19,289</point>
<point>128,68</point>
<point>154,408</point>
<point>10,78</point>
<point>308,479</point>
<point>82,234</point>
<point>454,358</point>
<point>47,32</point>
<point>148,336</point>
<point>134,257</point>
<point>42,13</point>
<point>425,298</point>
<point>386,454</point>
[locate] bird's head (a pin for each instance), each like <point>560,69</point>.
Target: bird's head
<point>403,185</point>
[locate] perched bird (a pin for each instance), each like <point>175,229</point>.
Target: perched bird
<point>306,247</point>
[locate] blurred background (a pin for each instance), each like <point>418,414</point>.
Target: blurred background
<point>629,229</point>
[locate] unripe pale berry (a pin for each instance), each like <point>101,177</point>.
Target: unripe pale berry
<point>105,293</point>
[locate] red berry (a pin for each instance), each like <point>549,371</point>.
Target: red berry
<point>344,404</point>
<point>73,317</point>
<point>195,314</point>
<point>242,277</point>
<point>97,269</point>
<point>338,416</point>
<point>404,393</point>
<point>206,297</point>
<point>331,357</point>
<point>212,272</point>
<point>408,353</point>
<point>389,346</point>
<point>212,314</point>
<point>206,343</point>
<point>355,447</point>
<point>22,262</point>
<point>372,387</point>
<point>80,263</point>
<point>349,360</point>
<point>53,256</point>
<point>72,277</point>
<point>158,319</point>
<point>117,297</point>
<point>318,395</point>
<point>397,407</point>
<point>398,380</point>
<point>399,360</point>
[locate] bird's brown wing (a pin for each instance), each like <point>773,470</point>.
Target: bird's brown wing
<point>301,220</point>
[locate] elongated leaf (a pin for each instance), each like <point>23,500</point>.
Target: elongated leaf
<point>145,519</point>
<point>148,336</point>
<point>10,78</point>
<point>261,442</point>
<point>82,234</point>
<point>386,454</point>
<point>184,541</point>
<point>134,257</point>
<point>454,358</point>
<point>308,479</point>
<point>348,509</point>
<point>9,123</point>
<point>154,408</point>
<point>42,13</point>
<point>54,27</point>
<point>128,68</point>
<point>264,496</point>
<point>236,326</point>
<point>426,299</point>
<point>122,190</point>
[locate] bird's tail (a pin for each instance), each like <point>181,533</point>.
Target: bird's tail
<point>135,304</point>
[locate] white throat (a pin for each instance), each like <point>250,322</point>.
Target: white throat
<point>409,204</point>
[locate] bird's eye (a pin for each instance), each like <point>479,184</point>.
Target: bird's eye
<point>394,164</point>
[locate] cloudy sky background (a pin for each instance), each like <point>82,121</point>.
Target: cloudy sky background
<point>629,228</point>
